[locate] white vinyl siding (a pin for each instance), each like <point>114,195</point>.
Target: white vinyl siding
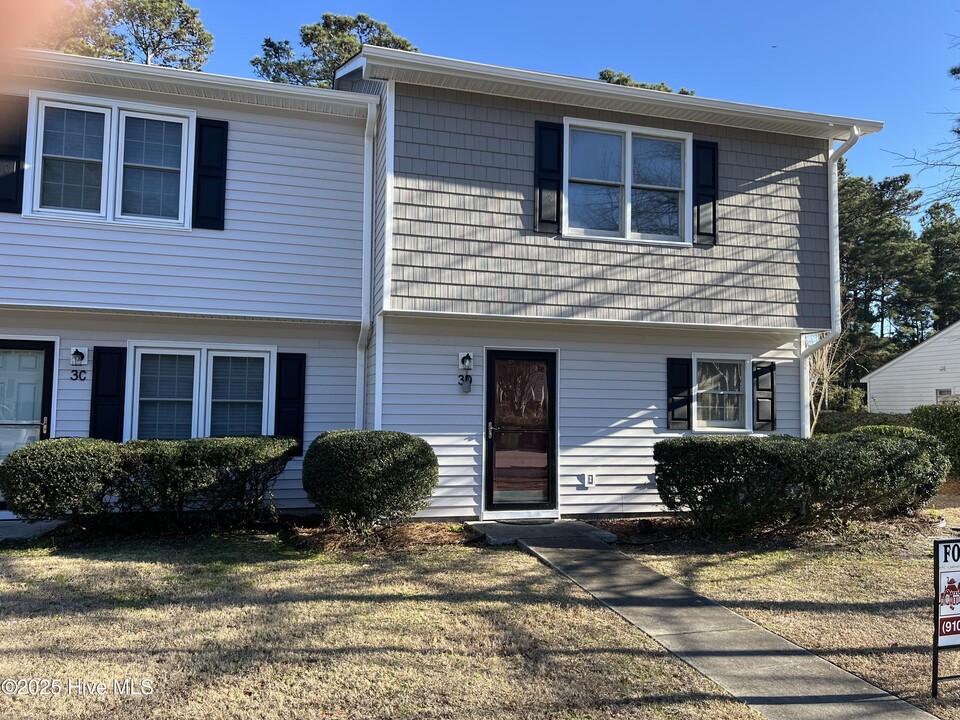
<point>611,401</point>
<point>916,377</point>
<point>331,369</point>
<point>292,244</point>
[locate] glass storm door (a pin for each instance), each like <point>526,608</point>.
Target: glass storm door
<point>26,386</point>
<point>521,432</point>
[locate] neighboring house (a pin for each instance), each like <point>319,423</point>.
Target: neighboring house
<point>927,374</point>
<point>200,239</point>
<point>559,272</point>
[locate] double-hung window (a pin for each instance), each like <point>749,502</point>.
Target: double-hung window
<point>109,161</point>
<point>721,393</point>
<point>181,392</point>
<point>627,182</point>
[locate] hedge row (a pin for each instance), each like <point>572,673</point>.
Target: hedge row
<point>830,423</point>
<point>740,485</point>
<point>230,477</point>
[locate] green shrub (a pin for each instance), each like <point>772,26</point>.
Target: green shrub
<point>832,422</point>
<point>741,485</point>
<point>844,399</point>
<point>367,478</point>
<point>229,477</point>
<point>50,478</point>
<point>876,471</point>
<point>943,422</point>
<point>733,484</point>
<point>237,473</point>
<point>160,476</point>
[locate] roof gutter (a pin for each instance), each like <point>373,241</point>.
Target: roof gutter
<point>367,268</point>
<point>833,229</point>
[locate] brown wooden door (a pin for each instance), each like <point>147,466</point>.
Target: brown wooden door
<point>521,432</point>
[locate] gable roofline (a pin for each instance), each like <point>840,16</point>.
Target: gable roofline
<point>419,69</point>
<point>945,334</point>
<point>47,65</point>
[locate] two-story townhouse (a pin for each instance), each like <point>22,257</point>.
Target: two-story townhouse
<point>566,272</point>
<point>183,254</point>
<point>541,275</point>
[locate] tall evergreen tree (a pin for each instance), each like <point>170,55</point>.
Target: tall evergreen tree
<point>328,43</point>
<point>154,32</point>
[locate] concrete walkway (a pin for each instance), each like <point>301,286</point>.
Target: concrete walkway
<point>19,530</point>
<point>776,678</point>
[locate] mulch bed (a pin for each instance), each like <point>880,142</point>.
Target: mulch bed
<point>399,538</point>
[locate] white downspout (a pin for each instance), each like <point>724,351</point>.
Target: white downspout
<point>833,230</point>
<point>367,268</point>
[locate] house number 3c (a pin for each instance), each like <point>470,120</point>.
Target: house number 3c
<point>78,375</point>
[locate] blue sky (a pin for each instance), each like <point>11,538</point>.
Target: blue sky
<point>883,59</point>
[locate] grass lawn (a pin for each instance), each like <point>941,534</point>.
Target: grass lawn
<point>861,598</point>
<point>247,626</point>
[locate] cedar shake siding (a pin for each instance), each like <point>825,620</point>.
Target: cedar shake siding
<point>464,239</point>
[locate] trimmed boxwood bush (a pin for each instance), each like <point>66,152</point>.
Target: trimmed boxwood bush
<point>732,484</point>
<point>876,471</point>
<point>740,485</point>
<point>368,478</point>
<point>830,423</point>
<point>943,422</point>
<point>50,478</point>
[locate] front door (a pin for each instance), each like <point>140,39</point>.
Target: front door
<point>26,390</point>
<point>521,432</point>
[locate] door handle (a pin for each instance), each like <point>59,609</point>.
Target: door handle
<point>490,429</point>
<point>45,427</point>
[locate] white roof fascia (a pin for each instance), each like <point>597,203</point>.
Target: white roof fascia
<point>150,78</point>
<point>946,333</point>
<point>417,68</point>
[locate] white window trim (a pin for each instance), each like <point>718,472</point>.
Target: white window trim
<point>269,381</point>
<point>203,352</point>
<point>139,352</point>
<point>186,175</point>
<point>686,214</point>
<point>747,361</point>
<point>112,163</point>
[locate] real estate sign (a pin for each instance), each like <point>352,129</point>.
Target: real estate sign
<point>947,584</point>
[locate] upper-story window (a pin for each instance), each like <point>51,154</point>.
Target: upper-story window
<point>627,182</point>
<point>109,161</point>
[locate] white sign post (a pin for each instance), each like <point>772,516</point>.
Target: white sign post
<point>946,604</point>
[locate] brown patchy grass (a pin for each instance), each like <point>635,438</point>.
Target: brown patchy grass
<point>860,596</point>
<point>247,626</point>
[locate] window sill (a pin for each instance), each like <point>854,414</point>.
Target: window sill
<point>103,222</point>
<point>629,241</point>
<point>722,431</point>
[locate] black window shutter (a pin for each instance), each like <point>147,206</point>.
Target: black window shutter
<point>548,178</point>
<point>13,145</point>
<point>291,388</point>
<point>107,394</point>
<point>706,190</point>
<point>679,382</point>
<point>764,396</point>
<point>210,174</point>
